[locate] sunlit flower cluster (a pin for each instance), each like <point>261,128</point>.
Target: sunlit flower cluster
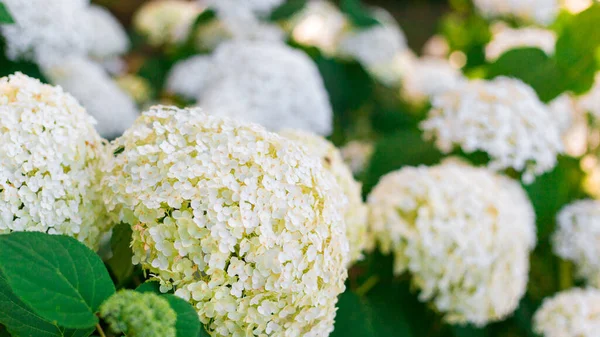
<point>319,24</point>
<point>262,82</point>
<point>114,109</point>
<point>166,21</point>
<point>49,162</point>
<point>357,155</point>
<point>535,11</point>
<point>507,38</point>
<point>464,234</point>
<point>355,212</point>
<point>574,312</point>
<point>577,238</point>
<point>427,77</point>
<point>241,222</point>
<point>502,117</point>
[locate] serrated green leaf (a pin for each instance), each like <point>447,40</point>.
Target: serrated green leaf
<point>58,277</point>
<point>21,321</point>
<point>120,263</point>
<point>358,14</point>
<point>533,67</point>
<point>5,17</point>
<point>353,318</point>
<point>287,10</point>
<point>188,324</point>
<point>151,286</point>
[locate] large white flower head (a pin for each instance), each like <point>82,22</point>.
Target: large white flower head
<point>166,21</point>
<point>577,238</point>
<point>355,212</point>
<point>357,155</point>
<point>106,36</point>
<point>506,38</point>
<point>502,117</point>
<point>375,46</point>
<point>427,77</point>
<point>270,84</point>
<point>319,24</point>
<point>190,77</point>
<point>50,158</point>
<point>536,11</point>
<point>464,233</point>
<point>45,28</point>
<point>241,222</point>
<point>114,110</point>
<point>574,312</point>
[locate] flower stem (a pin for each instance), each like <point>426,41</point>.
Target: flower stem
<point>364,288</point>
<point>100,331</point>
<point>564,272</point>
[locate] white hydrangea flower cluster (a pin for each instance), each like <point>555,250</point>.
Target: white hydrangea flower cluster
<point>262,82</point>
<point>190,77</point>
<point>502,117</point>
<point>427,77</point>
<point>375,47</point>
<point>319,24</point>
<point>536,11</point>
<point>577,238</point>
<point>574,312</point>
<point>106,37</point>
<point>45,31</point>
<point>257,7</point>
<point>506,38</point>
<point>355,212</point>
<point>357,155</point>
<point>114,109</point>
<point>50,158</point>
<point>464,233</point>
<point>239,221</point>
<point>166,21</point>
<point>45,28</point>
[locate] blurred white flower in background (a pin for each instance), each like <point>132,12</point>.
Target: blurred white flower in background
<point>379,47</point>
<point>355,210</point>
<point>572,122</point>
<point>113,109</point>
<point>570,313</point>
<point>502,117</point>
<point>590,102</point>
<point>506,38</point>
<point>576,6</point>
<point>436,46</point>
<point>577,238</point>
<point>190,77</point>
<point>166,21</point>
<point>50,158</point>
<point>106,36</point>
<point>136,87</point>
<point>535,11</point>
<point>464,234</point>
<point>241,222</point>
<point>319,24</point>
<point>427,77</point>
<point>46,29</point>
<point>262,82</point>
<point>357,155</point>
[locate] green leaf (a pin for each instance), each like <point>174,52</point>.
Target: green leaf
<point>20,320</point>
<point>151,286</point>
<point>120,263</point>
<point>287,10</point>
<point>358,15</point>
<point>404,148</point>
<point>576,47</point>
<point>533,67</point>
<point>5,16</point>
<point>354,317</point>
<point>61,279</point>
<point>188,323</point>
<point>203,18</point>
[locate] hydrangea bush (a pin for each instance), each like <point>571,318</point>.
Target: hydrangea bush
<point>291,168</point>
